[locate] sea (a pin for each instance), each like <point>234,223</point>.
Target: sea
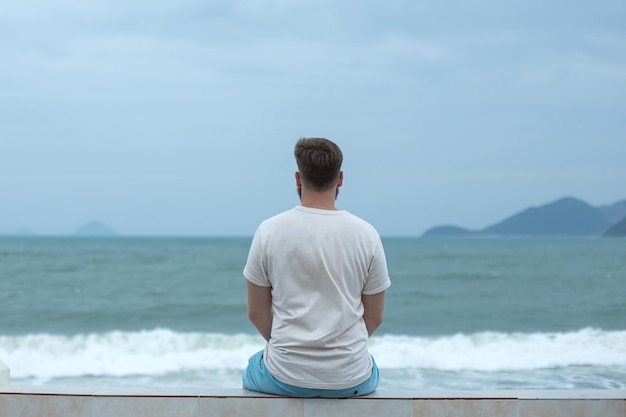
<point>462,313</point>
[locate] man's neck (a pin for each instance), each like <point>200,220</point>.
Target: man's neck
<point>320,200</point>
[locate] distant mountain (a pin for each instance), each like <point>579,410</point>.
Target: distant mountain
<point>22,231</point>
<point>567,216</point>
<point>614,212</point>
<point>447,230</point>
<point>618,229</point>
<point>564,217</point>
<point>95,229</point>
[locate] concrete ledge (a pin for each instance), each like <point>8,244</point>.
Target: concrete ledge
<point>5,375</point>
<point>73,402</point>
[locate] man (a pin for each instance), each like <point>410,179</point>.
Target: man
<point>316,282</point>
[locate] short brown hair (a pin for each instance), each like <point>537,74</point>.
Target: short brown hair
<point>319,162</point>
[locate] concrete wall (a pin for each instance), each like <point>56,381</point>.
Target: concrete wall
<point>4,375</point>
<point>35,402</point>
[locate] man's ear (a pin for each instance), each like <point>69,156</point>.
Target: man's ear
<point>340,182</point>
<point>298,180</point>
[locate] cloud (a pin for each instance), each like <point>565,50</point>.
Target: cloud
<point>455,98</point>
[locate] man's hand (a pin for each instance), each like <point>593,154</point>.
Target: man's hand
<point>373,311</point>
<point>260,308</point>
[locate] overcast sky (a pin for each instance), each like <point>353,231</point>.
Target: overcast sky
<point>180,117</point>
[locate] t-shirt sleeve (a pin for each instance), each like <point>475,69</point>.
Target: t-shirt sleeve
<point>378,276</point>
<point>255,270</point>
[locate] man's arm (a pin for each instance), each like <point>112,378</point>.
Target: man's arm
<point>260,308</point>
<point>373,311</point>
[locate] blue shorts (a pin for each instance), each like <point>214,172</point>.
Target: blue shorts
<point>256,377</point>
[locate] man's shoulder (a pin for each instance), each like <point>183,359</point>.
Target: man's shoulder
<point>280,217</point>
<point>364,225</point>
<point>297,215</point>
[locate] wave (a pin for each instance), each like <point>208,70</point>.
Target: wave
<point>496,351</point>
<point>163,351</point>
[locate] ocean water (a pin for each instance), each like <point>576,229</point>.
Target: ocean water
<point>170,312</point>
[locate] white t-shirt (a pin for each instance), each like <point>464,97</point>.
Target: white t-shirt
<point>318,263</point>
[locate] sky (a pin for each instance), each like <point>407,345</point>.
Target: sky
<point>179,118</point>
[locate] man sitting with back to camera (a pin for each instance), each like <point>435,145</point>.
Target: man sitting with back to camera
<point>316,281</point>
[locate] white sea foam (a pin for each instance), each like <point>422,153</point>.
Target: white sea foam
<point>159,352</point>
<point>120,354</point>
<point>493,351</point>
